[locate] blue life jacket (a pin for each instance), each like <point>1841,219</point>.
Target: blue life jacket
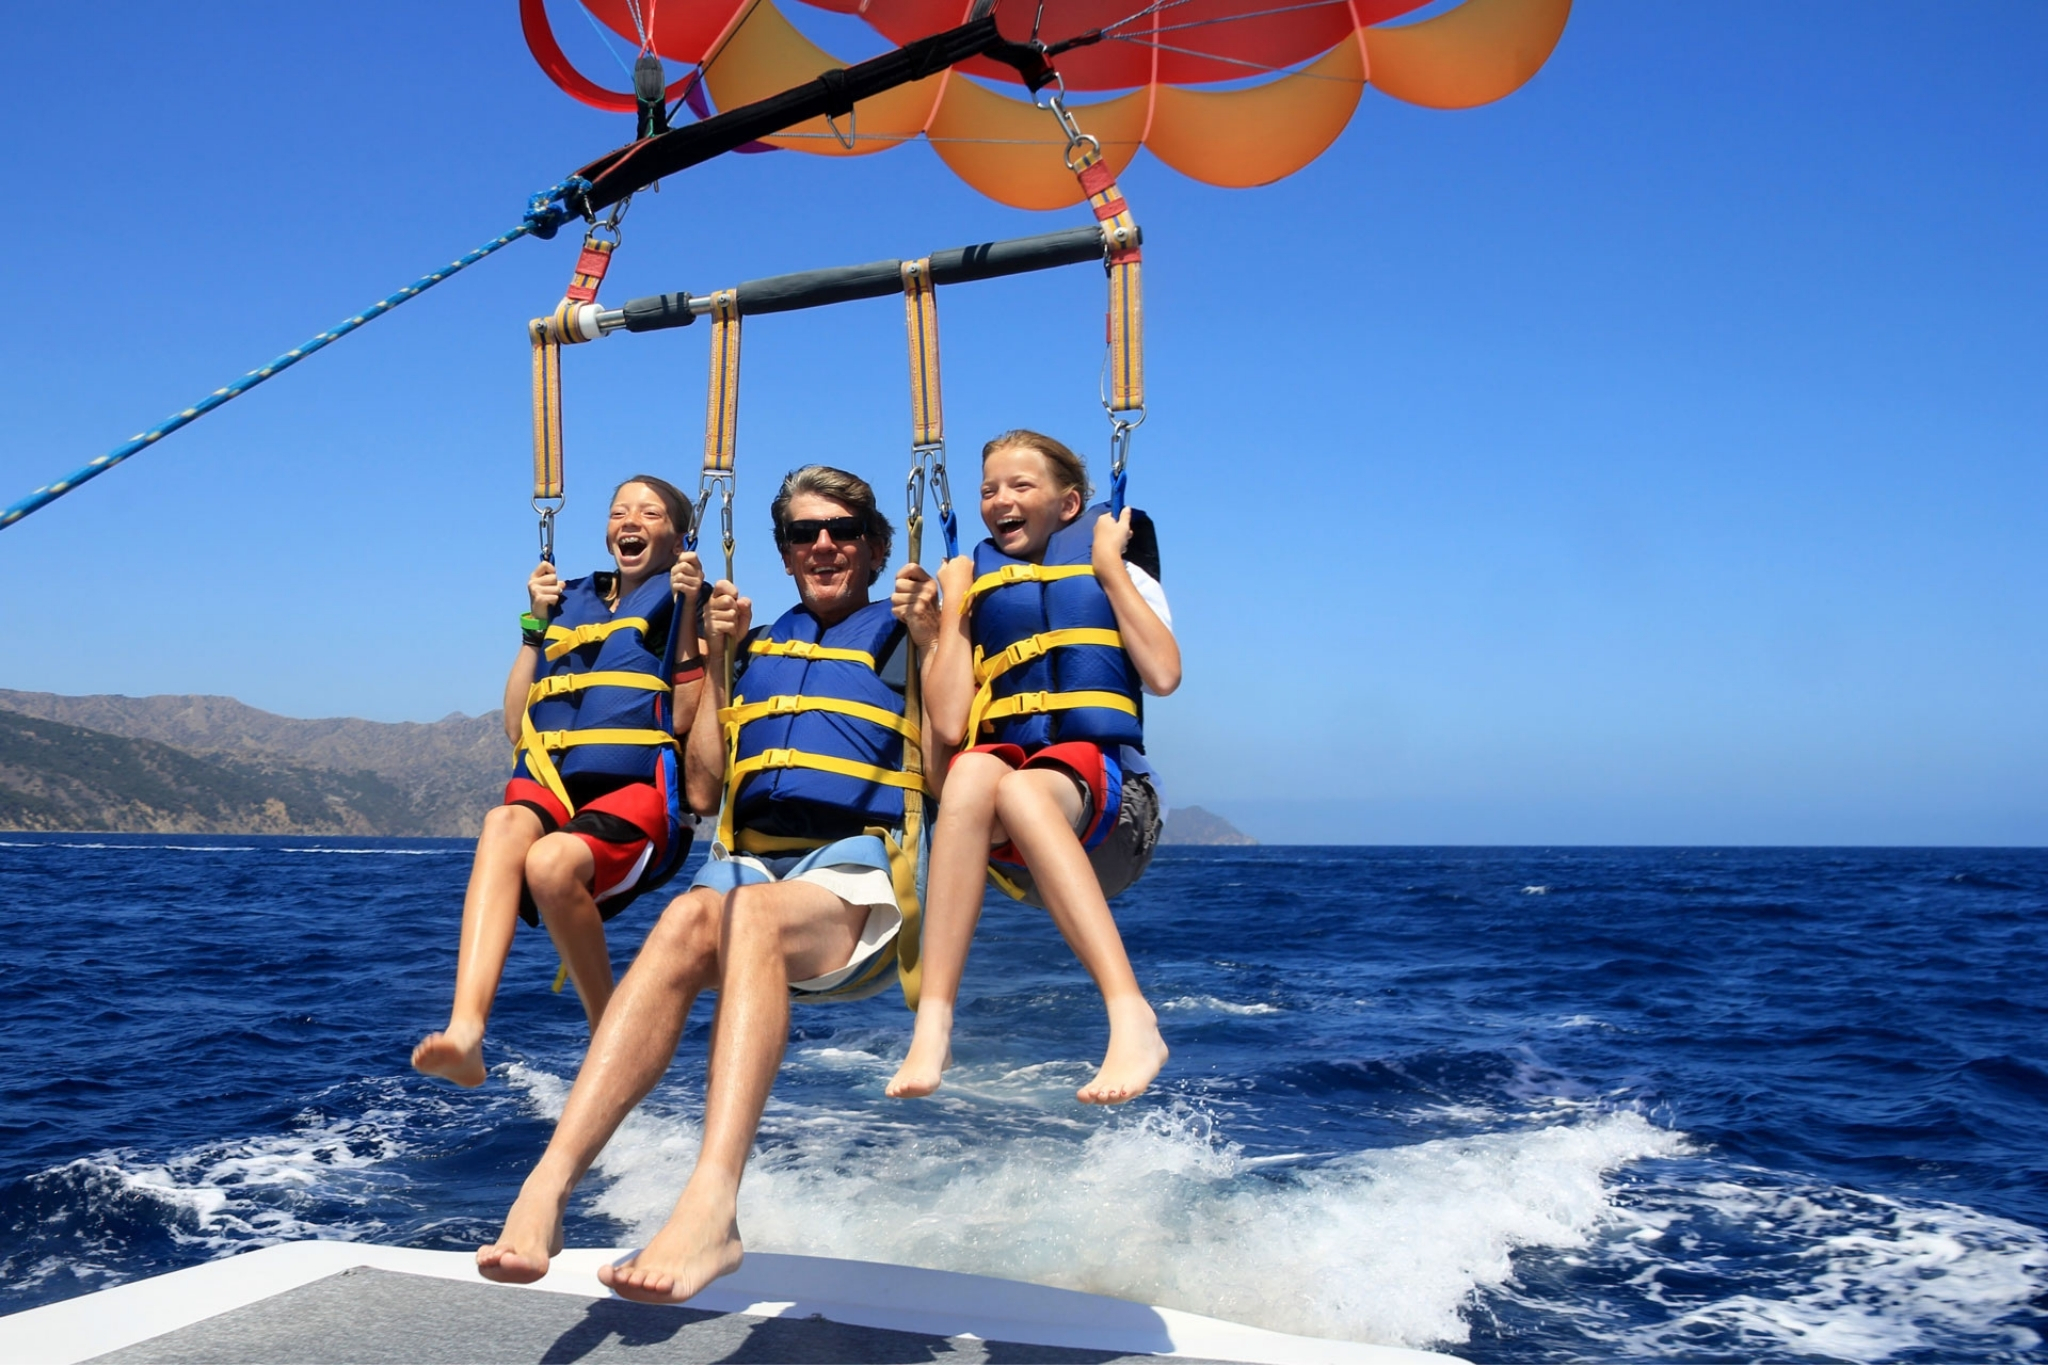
<point>600,701</point>
<point>812,721</point>
<point>1049,664</point>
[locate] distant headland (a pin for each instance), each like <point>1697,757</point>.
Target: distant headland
<point>213,765</point>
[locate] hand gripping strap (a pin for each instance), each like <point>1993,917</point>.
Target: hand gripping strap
<point>921,319</point>
<point>547,409</point>
<point>722,410</point>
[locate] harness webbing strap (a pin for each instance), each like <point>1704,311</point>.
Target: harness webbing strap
<point>591,264</point>
<point>722,414</point>
<point>547,409</point>
<point>562,639</point>
<point>538,745</point>
<point>560,683</point>
<point>1038,703</point>
<point>1126,327</point>
<point>770,759</point>
<point>1031,647</point>
<point>921,318</point>
<point>747,712</point>
<point>804,649</point>
<point>1021,573</point>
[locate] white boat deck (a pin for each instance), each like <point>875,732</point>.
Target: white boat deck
<point>307,1302</point>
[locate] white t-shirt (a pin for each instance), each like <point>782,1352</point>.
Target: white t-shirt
<point>1155,598</point>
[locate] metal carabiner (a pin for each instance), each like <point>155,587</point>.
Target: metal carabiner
<point>547,528</point>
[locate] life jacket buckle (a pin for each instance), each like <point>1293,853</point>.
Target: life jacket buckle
<point>787,704</point>
<point>778,758</point>
<point>1024,651</point>
<point>1033,703</point>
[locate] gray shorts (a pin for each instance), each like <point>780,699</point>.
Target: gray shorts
<point>1122,857</point>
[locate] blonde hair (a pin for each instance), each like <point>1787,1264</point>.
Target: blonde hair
<point>848,490</point>
<point>1067,469</point>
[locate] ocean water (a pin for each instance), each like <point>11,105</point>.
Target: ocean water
<point>1521,1104</point>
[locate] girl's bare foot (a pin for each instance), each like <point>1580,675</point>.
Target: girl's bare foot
<point>931,1052</point>
<point>532,1236</point>
<point>1136,1052</point>
<point>456,1055</point>
<point>699,1243</point>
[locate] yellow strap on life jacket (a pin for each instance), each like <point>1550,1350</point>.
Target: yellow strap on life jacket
<point>804,649</point>
<point>769,759</point>
<point>987,670</point>
<point>562,639</point>
<point>561,683</point>
<point>748,712</point>
<point>539,746</point>
<point>1021,573</point>
<point>1040,703</point>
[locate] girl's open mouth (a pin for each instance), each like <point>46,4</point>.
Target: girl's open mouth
<point>632,544</point>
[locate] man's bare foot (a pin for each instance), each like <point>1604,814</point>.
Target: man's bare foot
<point>1136,1052</point>
<point>532,1236</point>
<point>931,1053</point>
<point>699,1243</point>
<point>453,1056</point>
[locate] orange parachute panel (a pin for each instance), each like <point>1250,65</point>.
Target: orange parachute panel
<point>1319,55</point>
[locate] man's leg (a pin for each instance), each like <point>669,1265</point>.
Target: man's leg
<point>771,935</point>
<point>954,883</point>
<point>1037,807</point>
<point>634,1044</point>
<point>490,912</point>
<point>561,873</point>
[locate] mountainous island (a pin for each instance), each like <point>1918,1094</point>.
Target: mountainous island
<point>212,765</point>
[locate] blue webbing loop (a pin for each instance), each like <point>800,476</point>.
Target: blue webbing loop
<point>545,212</point>
<point>1116,494</point>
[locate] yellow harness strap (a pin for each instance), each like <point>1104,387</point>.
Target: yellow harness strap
<point>606,677</point>
<point>987,712</point>
<point>987,670</point>
<point>1021,573</point>
<point>747,712</point>
<point>562,639</point>
<point>804,649</point>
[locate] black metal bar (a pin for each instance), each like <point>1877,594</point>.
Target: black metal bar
<point>877,279</point>
<point>619,173</point>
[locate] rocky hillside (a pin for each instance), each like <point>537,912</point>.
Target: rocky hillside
<point>330,776</point>
<point>1193,825</point>
<point>62,777</point>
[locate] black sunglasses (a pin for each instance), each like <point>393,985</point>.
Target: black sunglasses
<point>841,529</point>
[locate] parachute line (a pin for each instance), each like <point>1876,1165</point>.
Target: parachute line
<point>604,38</point>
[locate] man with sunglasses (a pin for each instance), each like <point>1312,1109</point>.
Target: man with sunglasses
<point>798,897</point>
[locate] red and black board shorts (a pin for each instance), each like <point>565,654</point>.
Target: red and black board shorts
<point>625,829</point>
<point>1120,822</point>
<point>1099,777</point>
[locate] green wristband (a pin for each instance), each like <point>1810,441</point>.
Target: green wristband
<point>532,625</point>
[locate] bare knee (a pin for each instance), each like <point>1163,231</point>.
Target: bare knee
<point>684,941</point>
<point>509,825</point>
<point>1024,795</point>
<point>556,868</point>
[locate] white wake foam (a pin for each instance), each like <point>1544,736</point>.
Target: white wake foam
<point>1383,1246</point>
<point>1861,1277</point>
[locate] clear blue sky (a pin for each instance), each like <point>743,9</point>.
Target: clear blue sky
<point>1655,456</point>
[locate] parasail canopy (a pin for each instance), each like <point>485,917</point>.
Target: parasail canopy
<point>1282,77</point>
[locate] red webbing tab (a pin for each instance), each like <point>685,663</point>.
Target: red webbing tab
<point>591,263</point>
<point>1095,177</point>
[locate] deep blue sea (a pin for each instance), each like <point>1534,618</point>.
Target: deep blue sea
<point>1521,1104</point>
